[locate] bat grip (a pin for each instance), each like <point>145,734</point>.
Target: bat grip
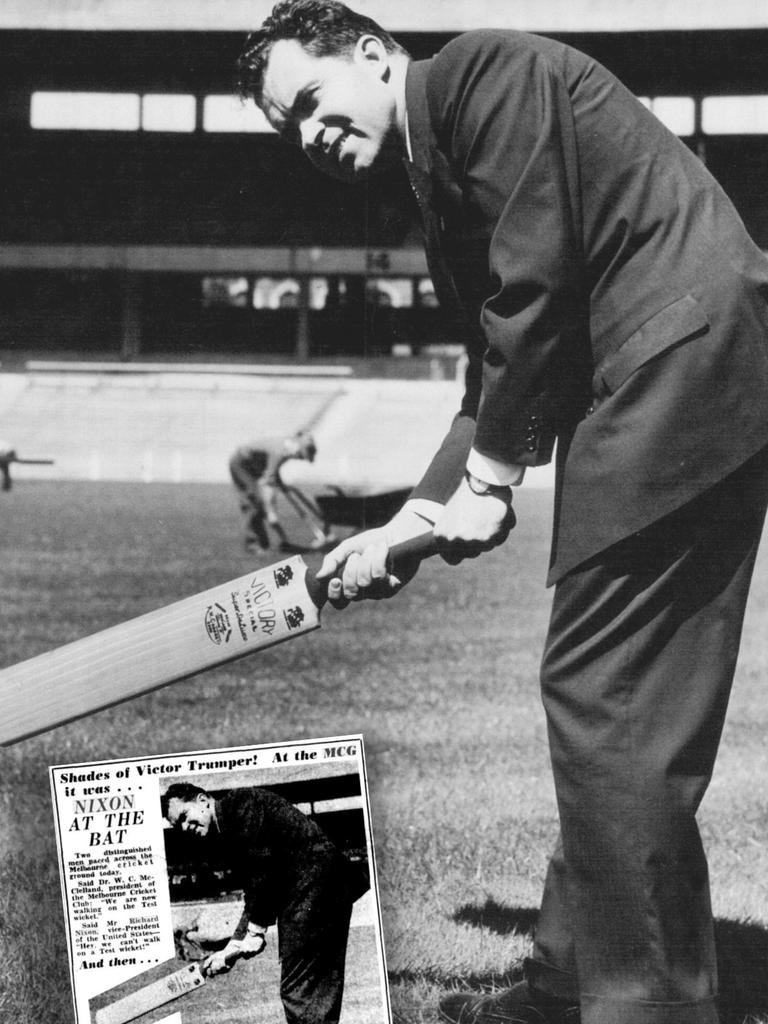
<point>415,549</point>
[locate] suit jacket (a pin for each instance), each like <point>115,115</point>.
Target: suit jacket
<point>291,873</point>
<point>611,296</point>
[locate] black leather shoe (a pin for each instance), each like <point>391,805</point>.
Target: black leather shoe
<point>517,1005</point>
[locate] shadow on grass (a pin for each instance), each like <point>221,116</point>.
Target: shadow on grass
<point>742,955</point>
<point>497,918</point>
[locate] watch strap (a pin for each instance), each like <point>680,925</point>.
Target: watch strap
<point>480,487</point>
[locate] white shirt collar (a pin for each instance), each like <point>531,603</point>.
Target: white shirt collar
<point>408,147</point>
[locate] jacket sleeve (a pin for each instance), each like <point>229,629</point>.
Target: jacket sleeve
<point>503,118</point>
<point>250,826</point>
<point>446,469</point>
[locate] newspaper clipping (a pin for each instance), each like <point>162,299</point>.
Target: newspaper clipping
<point>222,885</point>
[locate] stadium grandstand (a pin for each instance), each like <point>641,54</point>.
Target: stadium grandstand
<point>152,223</point>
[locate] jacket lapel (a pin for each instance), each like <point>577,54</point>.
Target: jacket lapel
<point>420,170</point>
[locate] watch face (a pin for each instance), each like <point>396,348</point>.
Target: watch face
<point>477,486</point>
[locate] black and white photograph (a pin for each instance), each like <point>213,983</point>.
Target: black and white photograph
<point>237,884</point>
<point>394,371</point>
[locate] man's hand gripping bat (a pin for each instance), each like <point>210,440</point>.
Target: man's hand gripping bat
<point>255,611</point>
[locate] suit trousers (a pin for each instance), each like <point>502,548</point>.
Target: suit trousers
<point>636,676</point>
<point>312,976</point>
<point>245,476</point>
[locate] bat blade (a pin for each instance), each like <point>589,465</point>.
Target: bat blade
<point>155,994</point>
<point>252,612</point>
<point>228,621</point>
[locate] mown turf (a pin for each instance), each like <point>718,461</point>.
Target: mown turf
<point>251,991</point>
<point>443,683</point>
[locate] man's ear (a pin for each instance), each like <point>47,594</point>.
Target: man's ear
<point>372,54</point>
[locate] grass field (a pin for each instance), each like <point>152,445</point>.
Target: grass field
<point>441,681</point>
<point>251,992</point>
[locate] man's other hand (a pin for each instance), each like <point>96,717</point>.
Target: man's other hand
<point>252,943</point>
<point>472,523</point>
<point>224,959</point>
<point>356,569</point>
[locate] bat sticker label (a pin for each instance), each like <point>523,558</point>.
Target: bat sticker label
<point>259,613</point>
<point>266,607</point>
<point>261,605</point>
<point>294,617</point>
<point>183,981</point>
<point>217,624</point>
<point>283,575</point>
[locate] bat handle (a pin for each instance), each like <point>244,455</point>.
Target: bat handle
<point>413,550</point>
<point>416,549</point>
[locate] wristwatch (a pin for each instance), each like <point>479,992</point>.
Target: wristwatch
<point>477,486</point>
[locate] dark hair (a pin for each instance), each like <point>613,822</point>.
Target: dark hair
<point>306,443</point>
<point>184,791</point>
<point>325,28</point>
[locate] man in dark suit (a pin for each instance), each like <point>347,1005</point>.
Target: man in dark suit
<point>291,875</point>
<point>612,301</point>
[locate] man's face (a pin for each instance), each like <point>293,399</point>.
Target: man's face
<point>192,816</point>
<point>340,110</point>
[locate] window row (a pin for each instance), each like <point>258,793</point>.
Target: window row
<point>152,112</point>
<point>169,112</point>
<point>322,293</point>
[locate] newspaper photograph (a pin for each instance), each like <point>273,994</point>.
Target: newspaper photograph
<point>222,885</point>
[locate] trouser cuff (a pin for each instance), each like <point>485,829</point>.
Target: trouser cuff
<point>551,980</point>
<point>597,1010</point>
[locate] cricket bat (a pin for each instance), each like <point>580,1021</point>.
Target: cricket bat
<point>150,996</point>
<point>262,608</point>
